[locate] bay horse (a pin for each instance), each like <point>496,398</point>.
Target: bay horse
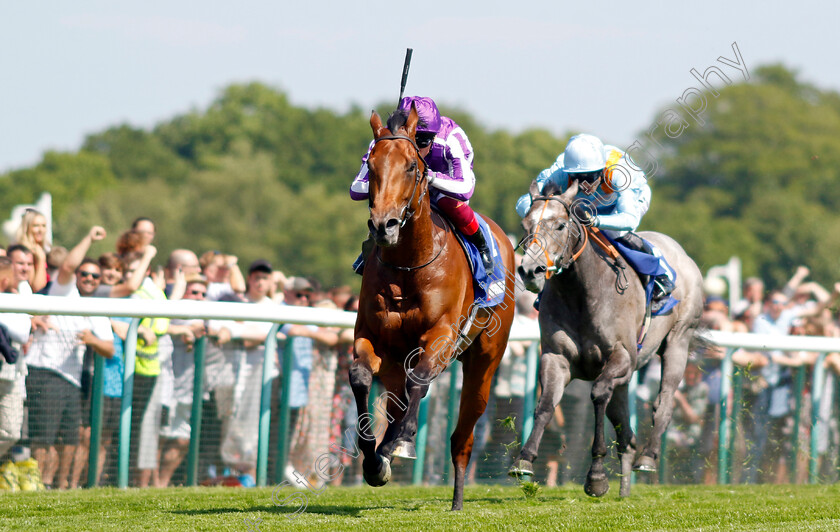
<point>417,293</point>
<point>590,323</point>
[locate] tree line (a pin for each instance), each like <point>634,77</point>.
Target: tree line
<point>255,176</point>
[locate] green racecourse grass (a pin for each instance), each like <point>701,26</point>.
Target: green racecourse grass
<point>395,508</point>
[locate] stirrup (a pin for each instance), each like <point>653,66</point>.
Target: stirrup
<point>486,260</point>
<point>663,286</point>
<point>484,251</point>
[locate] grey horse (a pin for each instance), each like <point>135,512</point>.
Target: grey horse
<point>590,323</point>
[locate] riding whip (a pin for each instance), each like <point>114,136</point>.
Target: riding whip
<point>406,66</point>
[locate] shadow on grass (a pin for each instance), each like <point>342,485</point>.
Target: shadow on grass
<point>335,510</point>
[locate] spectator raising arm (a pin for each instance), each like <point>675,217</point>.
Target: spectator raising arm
<point>67,270</point>
<point>136,274</point>
<point>237,281</point>
<point>790,288</point>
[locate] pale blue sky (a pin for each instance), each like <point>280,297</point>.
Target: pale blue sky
<point>74,68</point>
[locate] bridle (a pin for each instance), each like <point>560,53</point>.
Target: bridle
<point>407,212</point>
<point>551,262</point>
<point>621,282</point>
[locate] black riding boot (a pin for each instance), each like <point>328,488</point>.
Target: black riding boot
<point>662,284</point>
<point>367,247</point>
<point>478,240</point>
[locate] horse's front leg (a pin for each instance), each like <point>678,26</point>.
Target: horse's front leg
<point>421,367</point>
<point>376,468</point>
<point>554,377</point>
<point>616,372</point>
<point>618,411</point>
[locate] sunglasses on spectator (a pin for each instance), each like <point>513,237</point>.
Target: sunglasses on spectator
<point>301,295</point>
<point>201,293</point>
<point>90,274</point>
<point>778,301</point>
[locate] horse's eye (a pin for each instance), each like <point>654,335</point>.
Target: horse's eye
<point>412,167</point>
<point>561,225</point>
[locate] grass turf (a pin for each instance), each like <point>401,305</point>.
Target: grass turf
<point>395,508</point>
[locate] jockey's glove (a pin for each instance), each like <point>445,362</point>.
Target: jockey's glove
<point>589,219</point>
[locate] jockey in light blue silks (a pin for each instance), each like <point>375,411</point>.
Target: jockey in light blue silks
<point>449,157</point>
<point>613,195</point>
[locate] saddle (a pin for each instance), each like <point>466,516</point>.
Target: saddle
<point>489,287</point>
<point>647,266</point>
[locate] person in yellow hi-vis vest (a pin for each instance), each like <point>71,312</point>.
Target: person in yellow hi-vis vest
<point>144,437</point>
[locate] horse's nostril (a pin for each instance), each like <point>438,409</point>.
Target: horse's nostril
<point>391,223</point>
<point>371,226</point>
<point>539,270</point>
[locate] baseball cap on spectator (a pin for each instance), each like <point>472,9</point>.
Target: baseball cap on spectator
<point>298,284</point>
<point>196,278</point>
<point>716,303</point>
<point>260,265</point>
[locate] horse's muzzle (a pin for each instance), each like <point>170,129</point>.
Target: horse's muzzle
<point>386,232</point>
<point>532,278</point>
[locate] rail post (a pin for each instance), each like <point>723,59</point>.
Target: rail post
<point>195,413</point>
<point>723,428</point>
<point>125,405</point>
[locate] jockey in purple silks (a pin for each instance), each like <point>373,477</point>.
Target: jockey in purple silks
<point>449,158</point>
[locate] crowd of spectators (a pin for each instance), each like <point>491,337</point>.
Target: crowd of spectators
<point>46,376</point>
<point>47,372</point>
<point>763,400</point>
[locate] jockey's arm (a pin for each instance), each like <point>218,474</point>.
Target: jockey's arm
<point>359,188</point>
<point>626,216</point>
<point>553,172</point>
<point>459,180</point>
<point>633,202</point>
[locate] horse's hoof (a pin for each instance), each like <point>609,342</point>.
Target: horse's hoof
<point>405,449</point>
<point>596,485</point>
<point>521,468</point>
<point>381,476</point>
<point>646,464</point>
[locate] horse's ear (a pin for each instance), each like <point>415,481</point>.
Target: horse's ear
<point>411,122</point>
<point>534,189</point>
<point>572,191</point>
<point>376,125</point>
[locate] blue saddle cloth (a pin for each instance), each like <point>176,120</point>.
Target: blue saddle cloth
<point>648,265</point>
<point>489,287</point>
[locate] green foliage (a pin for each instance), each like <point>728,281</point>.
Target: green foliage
<point>73,179</point>
<point>758,180</point>
<point>256,176</point>
<point>530,489</point>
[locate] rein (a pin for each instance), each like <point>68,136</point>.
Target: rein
<point>550,262</point>
<point>407,212</point>
<point>597,237</point>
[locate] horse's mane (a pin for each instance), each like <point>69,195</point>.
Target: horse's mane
<point>551,188</point>
<point>398,118</point>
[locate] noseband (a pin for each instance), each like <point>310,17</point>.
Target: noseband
<point>407,212</point>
